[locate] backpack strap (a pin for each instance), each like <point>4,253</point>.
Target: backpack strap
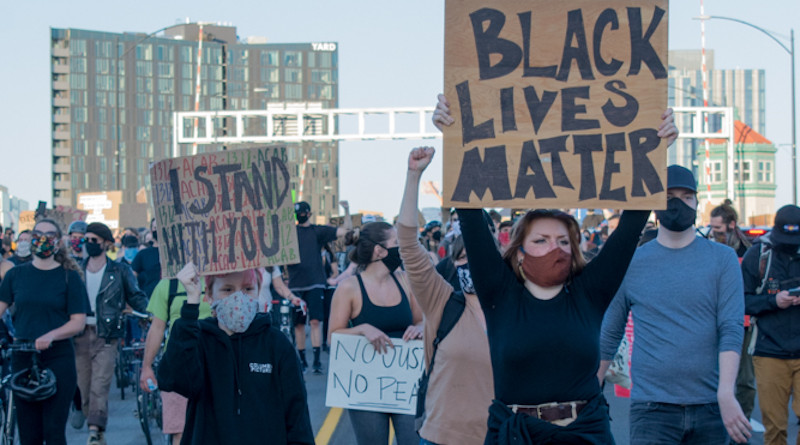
<point>764,264</point>
<point>173,292</point>
<point>450,315</point>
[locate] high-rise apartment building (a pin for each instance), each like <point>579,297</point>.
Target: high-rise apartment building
<point>113,97</point>
<point>744,91</point>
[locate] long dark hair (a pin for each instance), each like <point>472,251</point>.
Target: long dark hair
<point>522,228</point>
<point>364,239</point>
<point>61,256</point>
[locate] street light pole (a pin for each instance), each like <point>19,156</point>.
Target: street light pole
<point>790,50</point>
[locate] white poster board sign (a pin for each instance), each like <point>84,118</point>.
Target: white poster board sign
<point>360,378</point>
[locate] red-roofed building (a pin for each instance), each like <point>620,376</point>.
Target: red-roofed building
<point>753,171</point>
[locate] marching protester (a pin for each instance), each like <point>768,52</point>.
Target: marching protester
<point>379,307</point>
<point>459,389</point>
<point>76,232</point>
<point>544,380</point>
<point>307,279</point>
<point>242,379</point>
<point>23,253</point>
<point>130,247</point>
<point>110,286</point>
<point>685,294</point>
<point>51,305</point>
<point>165,306</point>
<point>771,273</point>
<point>147,264</point>
<point>725,229</point>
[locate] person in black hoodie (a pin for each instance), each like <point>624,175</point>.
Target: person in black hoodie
<point>241,376</point>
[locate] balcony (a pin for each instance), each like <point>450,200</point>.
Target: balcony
<point>61,152</point>
<point>61,168</point>
<point>61,68</point>
<point>61,118</point>
<point>60,52</point>
<point>61,135</point>
<point>61,85</point>
<point>61,101</point>
<point>61,185</point>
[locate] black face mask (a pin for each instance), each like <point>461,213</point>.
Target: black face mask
<point>392,260</point>
<point>437,236</point>
<point>678,216</point>
<point>94,249</point>
<point>155,235</point>
<point>302,218</point>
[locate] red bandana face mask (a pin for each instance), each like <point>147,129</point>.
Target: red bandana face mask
<point>548,270</point>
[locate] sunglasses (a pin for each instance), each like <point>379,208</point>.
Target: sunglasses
<point>38,234</point>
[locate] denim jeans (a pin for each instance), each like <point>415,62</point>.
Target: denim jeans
<point>655,423</point>
<point>372,428</point>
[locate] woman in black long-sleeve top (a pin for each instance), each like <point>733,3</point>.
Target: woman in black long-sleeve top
<point>544,307</point>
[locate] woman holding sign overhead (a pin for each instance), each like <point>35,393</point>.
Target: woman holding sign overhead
<point>544,306</point>
<point>379,306</point>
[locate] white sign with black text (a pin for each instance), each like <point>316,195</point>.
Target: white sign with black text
<point>361,378</point>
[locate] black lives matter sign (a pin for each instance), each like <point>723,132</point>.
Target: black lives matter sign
<point>557,104</point>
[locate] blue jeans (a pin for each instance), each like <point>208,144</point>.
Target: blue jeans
<point>655,423</point>
<point>372,428</point>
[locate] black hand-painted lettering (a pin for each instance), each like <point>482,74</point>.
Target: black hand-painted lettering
<point>232,239</point>
<point>478,175</point>
<point>554,146</point>
<point>263,184</point>
<point>211,193</point>
<point>614,143</point>
<point>538,108</point>
<point>624,115</point>
<point>171,245</point>
<point>249,246</point>
<point>529,161</point>
<point>527,69</point>
<point>643,142</point>
<point>223,170</point>
<point>488,42</point>
<point>641,49</point>
<point>175,185</point>
<point>470,132</point>
<point>242,187</point>
<point>507,107</point>
<point>569,109</point>
<point>280,195</point>
<point>607,17</point>
<point>269,250</point>
<point>585,144</point>
<point>579,53</point>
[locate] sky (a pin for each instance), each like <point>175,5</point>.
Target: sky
<point>390,55</point>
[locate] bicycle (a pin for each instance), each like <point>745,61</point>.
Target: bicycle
<point>123,369</point>
<point>8,413</point>
<point>282,312</point>
<point>148,407</point>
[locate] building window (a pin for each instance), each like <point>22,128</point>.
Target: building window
<point>294,92</point>
<point>166,70</point>
<point>745,173</point>
<point>293,75</point>
<point>293,58</point>
<point>77,65</point>
<point>716,172</point>
<point>764,173</point>
<point>144,69</point>
<point>76,81</point>
<point>77,48</point>
<point>166,86</point>
<point>270,58</point>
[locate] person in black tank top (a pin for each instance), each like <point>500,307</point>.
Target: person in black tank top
<point>376,304</point>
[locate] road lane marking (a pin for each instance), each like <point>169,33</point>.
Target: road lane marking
<point>328,426</point>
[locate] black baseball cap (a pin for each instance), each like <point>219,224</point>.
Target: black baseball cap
<point>787,226</point>
<point>100,230</point>
<point>301,207</point>
<point>680,177</point>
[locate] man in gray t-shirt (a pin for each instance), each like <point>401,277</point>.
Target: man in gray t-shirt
<point>685,293</point>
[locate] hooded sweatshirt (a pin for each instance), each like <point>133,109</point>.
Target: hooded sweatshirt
<point>241,388</point>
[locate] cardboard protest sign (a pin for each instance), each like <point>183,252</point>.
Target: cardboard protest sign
<point>102,207</point>
<point>27,219</point>
<point>226,211</point>
<point>556,104</point>
<point>360,378</point>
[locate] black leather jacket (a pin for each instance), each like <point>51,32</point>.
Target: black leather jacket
<point>118,287</point>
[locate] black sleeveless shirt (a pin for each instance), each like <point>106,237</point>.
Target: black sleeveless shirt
<point>392,320</point>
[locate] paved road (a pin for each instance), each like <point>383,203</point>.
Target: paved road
<point>123,426</point>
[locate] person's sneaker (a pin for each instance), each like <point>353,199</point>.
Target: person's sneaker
<point>96,438</point>
<point>76,418</point>
<point>304,367</point>
<point>317,368</point>
<point>324,347</point>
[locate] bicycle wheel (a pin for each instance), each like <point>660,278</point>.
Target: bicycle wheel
<point>119,372</point>
<point>142,412</point>
<point>156,411</point>
<point>8,434</point>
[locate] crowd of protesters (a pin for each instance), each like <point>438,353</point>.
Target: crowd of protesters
<point>533,308</point>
